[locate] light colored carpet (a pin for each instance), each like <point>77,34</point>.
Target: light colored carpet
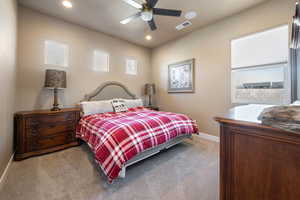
<point>188,171</point>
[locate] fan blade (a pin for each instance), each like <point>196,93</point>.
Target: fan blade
<point>129,19</point>
<point>152,3</point>
<point>134,4</point>
<point>152,25</point>
<point>166,12</point>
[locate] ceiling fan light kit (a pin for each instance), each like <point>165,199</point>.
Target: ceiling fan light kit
<point>147,15</point>
<point>147,10</point>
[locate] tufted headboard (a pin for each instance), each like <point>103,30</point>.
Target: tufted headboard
<point>110,90</point>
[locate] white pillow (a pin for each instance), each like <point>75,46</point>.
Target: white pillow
<point>132,103</point>
<point>119,105</point>
<point>95,107</point>
<point>296,103</point>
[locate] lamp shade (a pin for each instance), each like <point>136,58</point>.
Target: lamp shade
<point>55,79</point>
<point>150,89</point>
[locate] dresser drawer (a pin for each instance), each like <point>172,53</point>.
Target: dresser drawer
<point>51,141</point>
<point>49,119</point>
<point>41,130</point>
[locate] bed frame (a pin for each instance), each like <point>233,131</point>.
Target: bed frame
<point>113,89</point>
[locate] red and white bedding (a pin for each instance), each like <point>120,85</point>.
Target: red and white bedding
<point>116,138</point>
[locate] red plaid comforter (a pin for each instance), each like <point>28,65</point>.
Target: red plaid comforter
<point>115,138</point>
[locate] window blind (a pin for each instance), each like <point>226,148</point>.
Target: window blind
<point>263,48</point>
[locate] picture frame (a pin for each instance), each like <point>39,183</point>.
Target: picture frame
<point>181,77</point>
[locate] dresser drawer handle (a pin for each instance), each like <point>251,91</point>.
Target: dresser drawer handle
<point>69,117</point>
<point>34,132</point>
<point>34,123</point>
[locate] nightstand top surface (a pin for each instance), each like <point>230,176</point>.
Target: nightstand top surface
<point>48,111</point>
<point>151,106</point>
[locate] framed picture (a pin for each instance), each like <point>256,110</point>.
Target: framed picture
<point>181,77</point>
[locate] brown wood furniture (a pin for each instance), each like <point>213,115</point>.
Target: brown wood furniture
<point>45,131</point>
<point>153,107</point>
<point>257,162</point>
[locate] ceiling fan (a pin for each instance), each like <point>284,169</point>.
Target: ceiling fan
<point>147,11</point>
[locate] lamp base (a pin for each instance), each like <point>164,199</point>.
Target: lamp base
<point>55,108</point>
<point>55,104</point>
<point>150,101</point>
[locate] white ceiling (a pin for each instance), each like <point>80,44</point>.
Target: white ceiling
<point>105,16</point>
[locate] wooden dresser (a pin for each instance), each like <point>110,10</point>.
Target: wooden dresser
<point>257,162</point>
<point>44,131</point>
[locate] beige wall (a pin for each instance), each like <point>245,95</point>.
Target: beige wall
<point>8,17</point>
<point>210,46</point>
<point>35,28</point>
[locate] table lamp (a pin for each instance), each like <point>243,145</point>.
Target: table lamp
<point>55,80</point>
<point>150,91</point>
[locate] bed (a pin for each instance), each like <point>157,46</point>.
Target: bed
<point>119,140</point>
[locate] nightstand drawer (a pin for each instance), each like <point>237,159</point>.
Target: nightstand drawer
<point>40,130</point>
<point>51,118</point>
<point>51,141</point>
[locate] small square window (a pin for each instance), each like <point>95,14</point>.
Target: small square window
<point>131,66</point>
<point>56,54</point>
<point>101,61</point>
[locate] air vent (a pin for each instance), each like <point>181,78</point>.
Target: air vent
<point>183,25</point>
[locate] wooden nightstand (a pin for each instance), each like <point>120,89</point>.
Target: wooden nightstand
<point>152,107</point>
<point>44,131</point>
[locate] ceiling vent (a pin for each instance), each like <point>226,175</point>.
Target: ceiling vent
<point>183,25</point>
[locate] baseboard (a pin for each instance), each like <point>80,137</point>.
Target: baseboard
<point>209,137</point>
<point>4,175</point>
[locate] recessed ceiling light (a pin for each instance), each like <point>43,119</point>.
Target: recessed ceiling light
<point>67,4</point>
<point>148,37</point>
<point>190,15</point>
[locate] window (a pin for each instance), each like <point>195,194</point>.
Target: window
<point>131,66</point>
<point>260,69</point>
<point>56,54</point>
<point>101,61</point>
<point>265,85</point>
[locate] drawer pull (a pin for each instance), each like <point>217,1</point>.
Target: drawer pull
<point>34,132</point>
<point>69,118</point>
<point>34,124</point>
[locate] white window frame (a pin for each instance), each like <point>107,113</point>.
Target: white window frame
<point>61,45</point>
<point>96,68</point>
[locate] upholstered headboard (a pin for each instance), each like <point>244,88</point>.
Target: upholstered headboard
<point>110,90</point>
